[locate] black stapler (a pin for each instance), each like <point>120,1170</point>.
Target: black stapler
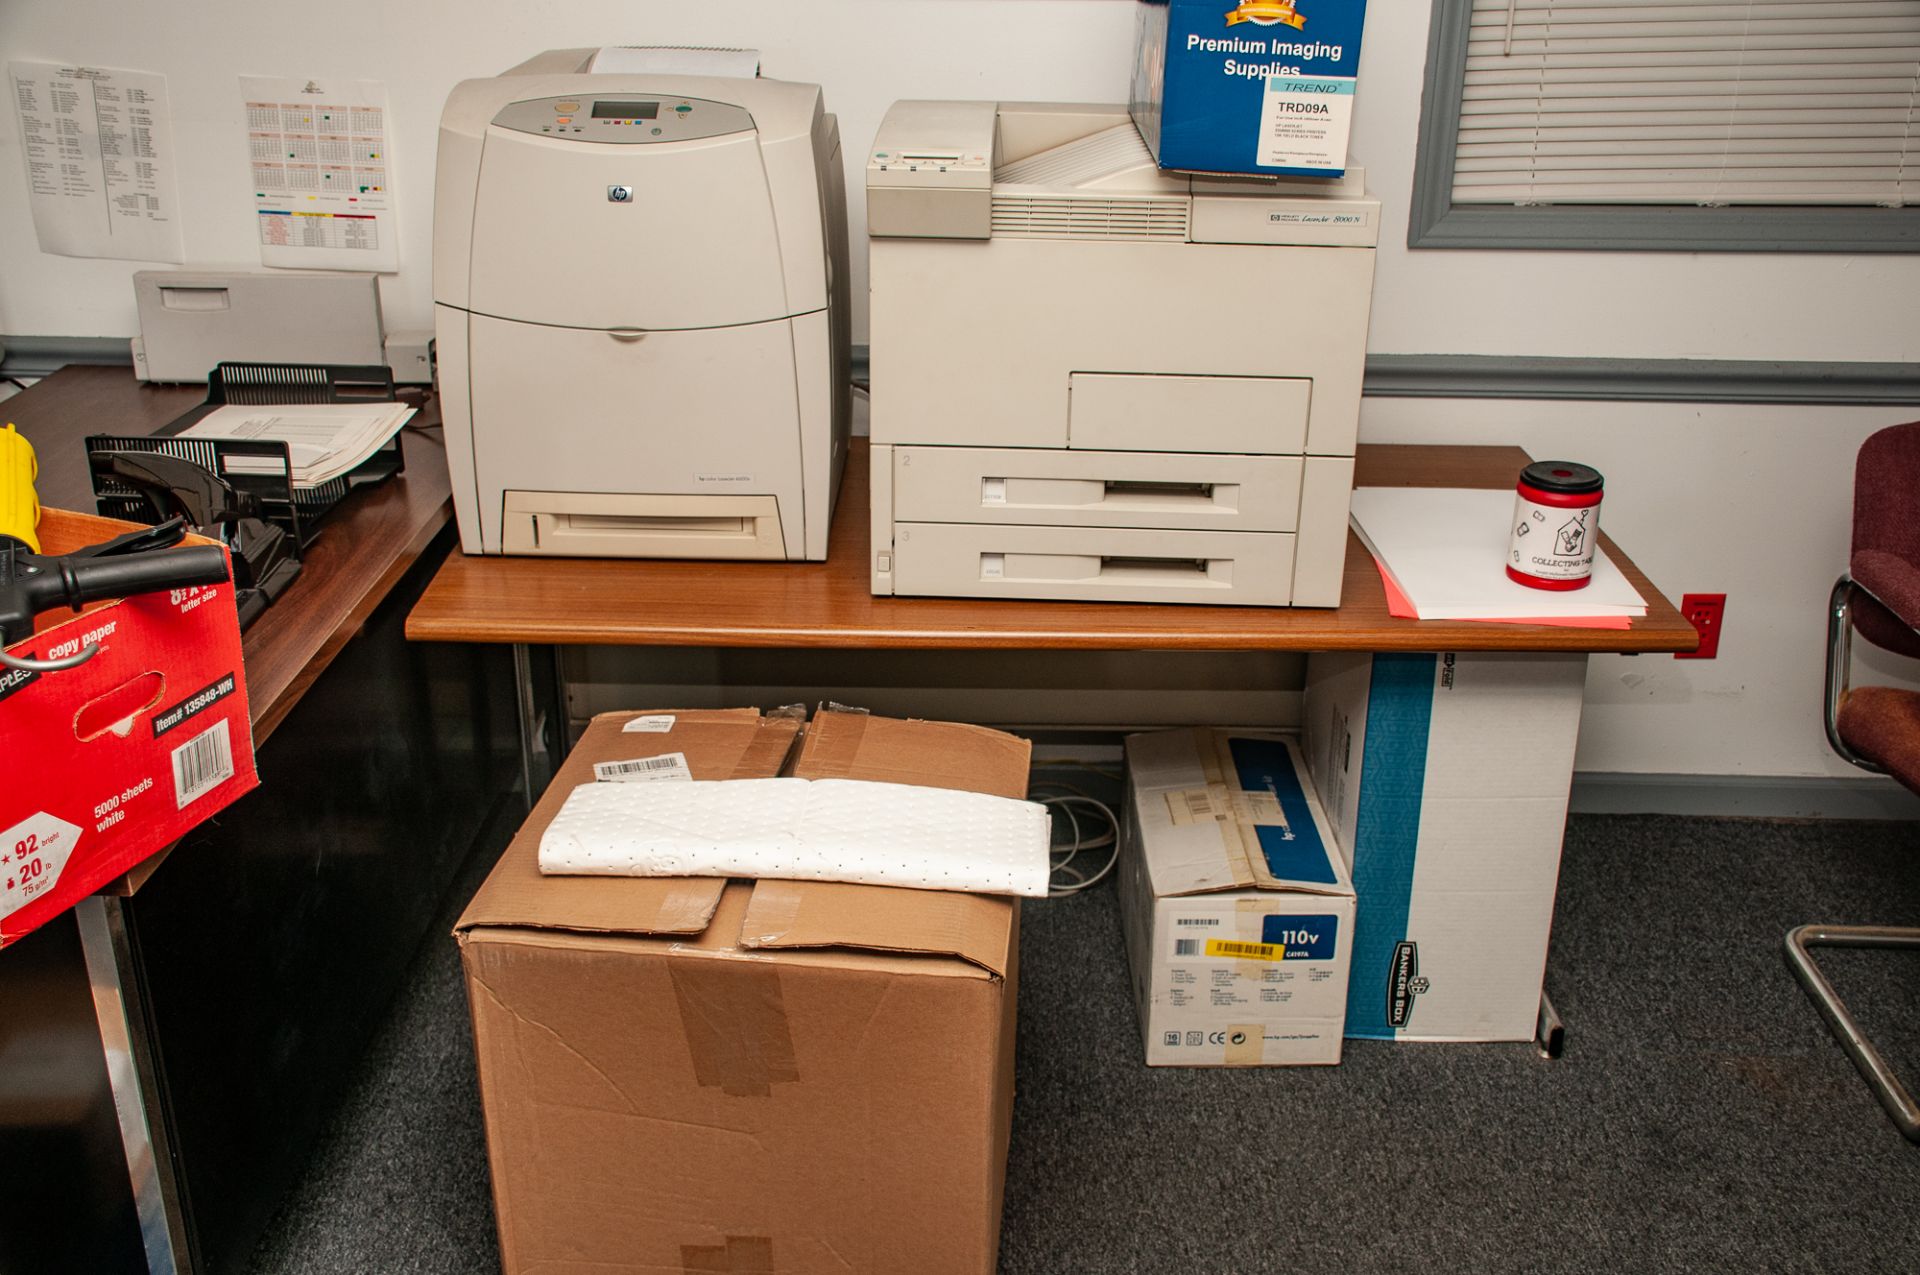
<point>265,558</point>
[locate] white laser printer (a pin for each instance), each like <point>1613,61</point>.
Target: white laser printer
<point>639,284</point>
<point>1096,380</point>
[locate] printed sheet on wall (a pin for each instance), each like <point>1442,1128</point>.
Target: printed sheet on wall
<point>322,184</point>
<point>98,146</point>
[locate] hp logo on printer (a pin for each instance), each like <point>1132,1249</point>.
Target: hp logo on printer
<point>619,194</point>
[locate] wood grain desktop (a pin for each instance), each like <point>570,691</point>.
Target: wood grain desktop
<point>367,544</point>
<point>580,601</point>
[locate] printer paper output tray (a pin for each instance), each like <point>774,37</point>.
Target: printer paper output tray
<point>1093,564</point>
<point>1107,526</point>
<point>598,525</point>
<point>1057,487</point>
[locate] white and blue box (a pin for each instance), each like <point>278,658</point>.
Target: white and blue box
<point>1445,777</point>
<point>1235,901</point>
<point>1262,86</point>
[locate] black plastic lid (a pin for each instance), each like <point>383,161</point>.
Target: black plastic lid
<point>1562,477</point>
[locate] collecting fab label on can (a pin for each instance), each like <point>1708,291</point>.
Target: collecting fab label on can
<point>1556,525</point>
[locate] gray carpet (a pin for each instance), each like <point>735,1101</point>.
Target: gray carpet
<point>1701,1118</point>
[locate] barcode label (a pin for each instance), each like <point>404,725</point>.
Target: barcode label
<point>1197,920</point>
<point>671,766</point>
<point>1193,805</point>
<point>202,764</point>
<point>1186,947</point>
<point>1246,951</point>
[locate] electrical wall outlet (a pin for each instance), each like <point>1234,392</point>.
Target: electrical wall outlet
<point>1704,612</point>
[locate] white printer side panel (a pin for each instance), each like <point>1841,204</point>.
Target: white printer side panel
<point>576,411</point>
<point>975,341</point>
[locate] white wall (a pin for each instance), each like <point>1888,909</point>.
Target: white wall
<point>1746,501</point>
<point>867,53</point>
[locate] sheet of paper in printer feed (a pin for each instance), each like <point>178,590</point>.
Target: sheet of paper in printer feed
<point>324,440</point>
<point>98,146</point>
<point>1446,548</point>
<point>630,59</point>
<point>854,830</point>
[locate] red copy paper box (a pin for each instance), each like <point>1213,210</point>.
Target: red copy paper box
<point>111,761</point>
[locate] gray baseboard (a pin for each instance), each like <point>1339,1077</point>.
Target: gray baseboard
<point>45,355</point>
<point>1494,376</point>
<point>1483,376</point>
<point>1742,796</point>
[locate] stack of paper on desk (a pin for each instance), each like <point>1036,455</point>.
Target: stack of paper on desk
<point>1443,551</point>
<point>324,440</point>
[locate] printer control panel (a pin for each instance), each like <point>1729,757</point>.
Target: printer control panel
<point>624,118</point>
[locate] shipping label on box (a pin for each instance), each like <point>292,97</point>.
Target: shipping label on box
<point>1446,779</point>
<point>1236,904</point>
<point>1262,86</point>
<point>116,758</point>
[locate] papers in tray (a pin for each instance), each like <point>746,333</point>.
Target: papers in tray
<point>1442,551</point>
<point>324,440</point>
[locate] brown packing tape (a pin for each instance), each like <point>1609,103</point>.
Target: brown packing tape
<point>832,744</point>
<point>738,1255</point>
<point>1237,832</point>
<point>735,1023</point>
<point>1246,1045</point>
<point>770,750</point>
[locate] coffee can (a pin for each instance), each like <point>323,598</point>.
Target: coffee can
<point>1556,525</point>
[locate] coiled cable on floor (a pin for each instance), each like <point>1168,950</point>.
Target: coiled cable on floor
<point>1065,877</point>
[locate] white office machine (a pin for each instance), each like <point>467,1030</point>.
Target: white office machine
<point>192,320</point>
<point>639,284</point>
<point>1096,380</point>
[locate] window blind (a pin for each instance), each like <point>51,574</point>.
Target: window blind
<point>1801,102</point>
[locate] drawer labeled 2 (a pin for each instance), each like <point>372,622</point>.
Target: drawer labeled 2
<point>1052,487</point>
<point>1093,564</point>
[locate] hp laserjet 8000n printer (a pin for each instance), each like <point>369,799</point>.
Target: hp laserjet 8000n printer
<point>639,285</point>
<point>1096,380</point>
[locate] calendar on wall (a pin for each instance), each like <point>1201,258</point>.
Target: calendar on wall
<point>321,175</point>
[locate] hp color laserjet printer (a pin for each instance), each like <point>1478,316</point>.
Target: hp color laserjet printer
<point>639,284</point>
<point>1096,380</point>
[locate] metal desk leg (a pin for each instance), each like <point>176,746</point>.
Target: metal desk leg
<point>540,688</point>
<point>103,940</point>
<point>1550,1036</point>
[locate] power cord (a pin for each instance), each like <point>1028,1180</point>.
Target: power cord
<point>1064,877</point>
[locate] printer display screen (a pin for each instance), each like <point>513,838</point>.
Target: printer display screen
<point>626,110</point>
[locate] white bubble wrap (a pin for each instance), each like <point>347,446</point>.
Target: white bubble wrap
<point>800,829</point>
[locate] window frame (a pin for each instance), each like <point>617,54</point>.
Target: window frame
<point>1435,221</point>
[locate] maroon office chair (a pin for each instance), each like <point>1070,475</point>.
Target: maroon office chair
<point>1877,728</point>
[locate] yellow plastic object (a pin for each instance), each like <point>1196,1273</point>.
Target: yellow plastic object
<point>19,507</point>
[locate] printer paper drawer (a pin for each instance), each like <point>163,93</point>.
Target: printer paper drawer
<point>1257,415</point>
<point>1090,564</point>
<point>1052,487</point>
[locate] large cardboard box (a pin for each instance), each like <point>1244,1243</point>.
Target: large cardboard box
<point>1446,777</point>
<point>688,1074</point>
<point>1262,86</point>
<point>114,759</point>
<point>1236,904</point>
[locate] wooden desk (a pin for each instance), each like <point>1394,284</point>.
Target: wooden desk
<point>370,543</point>
<point>531,602</point>
<point>229,990</point>
<point>572,601</point>
<point>582,601</point>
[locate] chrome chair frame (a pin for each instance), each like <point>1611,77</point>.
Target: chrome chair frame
<point>1893,1095</point>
